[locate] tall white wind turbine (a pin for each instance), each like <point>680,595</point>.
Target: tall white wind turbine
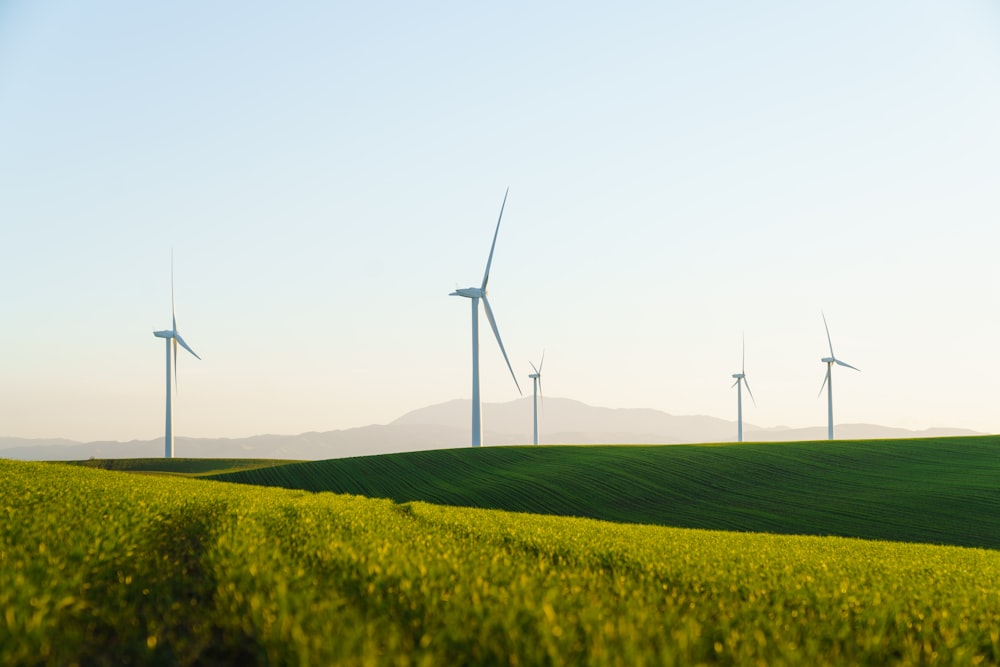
<point>741,379</point>
<point>828,380</point>
<point>476,294</point>
<point>171,335</point>
<point>536,380</point>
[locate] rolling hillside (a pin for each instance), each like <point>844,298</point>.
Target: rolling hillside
<point>103,568</point>
<point>934,490</point>
<point>179,466</point>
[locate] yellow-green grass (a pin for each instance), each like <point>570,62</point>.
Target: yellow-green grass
<point>102,568</point>
<point>185,467</point>
<point>936,490</point>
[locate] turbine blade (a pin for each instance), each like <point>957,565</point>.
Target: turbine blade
<point>747,385</point>
<point>175,364</point>
<point>541,363</point>
<point>734,384</point>
<point>173,310</point>
<point>743,366</point>
<point>828,340</point>
<point>844,363</point>
<point>534,369</point>
<point>825,378</point>
<point>486,276</point>
<point>496,332</point>
<point>178,339</point>
<point>540,394</point>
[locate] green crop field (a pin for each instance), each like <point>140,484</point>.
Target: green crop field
<point>187,467</point>
<point>937,491</point>
<point>100,567</point>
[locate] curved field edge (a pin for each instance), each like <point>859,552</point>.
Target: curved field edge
<point>934,490</point>
<point>179,466</point>
<point>97,567</point>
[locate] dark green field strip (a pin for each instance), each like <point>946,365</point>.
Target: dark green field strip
<point>188,467</point>
<point>938,490</point>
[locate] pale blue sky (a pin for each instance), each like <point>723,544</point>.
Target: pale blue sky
<point>328,172</point>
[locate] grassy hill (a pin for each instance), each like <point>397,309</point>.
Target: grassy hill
<point>934,490</point>
<point>185,467</point>
<point>103,568</point>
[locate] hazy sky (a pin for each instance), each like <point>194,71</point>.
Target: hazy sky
<point>327,172</point>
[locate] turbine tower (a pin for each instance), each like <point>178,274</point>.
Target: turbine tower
<point>828,380</point>
<point>741,379</point>
<point>171,335</point>
<point>536,379</point>
<point>476,294</point>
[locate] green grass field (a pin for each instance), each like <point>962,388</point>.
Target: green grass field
<point>938,491</point>
<point>186,467</point>
<point>100,567</point>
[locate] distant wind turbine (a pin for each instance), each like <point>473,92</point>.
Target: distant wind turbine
<point>536,380</point>
<point>171,335</point>
<point>828,380</point>
<point>475,294</point>
<point>741,379</point>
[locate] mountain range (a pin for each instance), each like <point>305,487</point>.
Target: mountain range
<point>446,425</point>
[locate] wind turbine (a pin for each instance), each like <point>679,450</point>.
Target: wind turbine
<point>741,379</point>
<point>476,294</point>
<point>171,335</point>
<point>828,380</point>
<point>536,380</point>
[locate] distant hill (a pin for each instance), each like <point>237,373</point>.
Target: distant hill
<point>933,490</point>
<point>446,425</point>
<point>568,422</point>
<point>375,439</point>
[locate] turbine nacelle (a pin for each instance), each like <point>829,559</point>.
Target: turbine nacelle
<point>470,292</point>
<point>537,375</point>
<point>832,359</point>
<point>742,378</point>
<point>177,339</point>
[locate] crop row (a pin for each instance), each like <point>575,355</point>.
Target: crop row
<point>99,567</point>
